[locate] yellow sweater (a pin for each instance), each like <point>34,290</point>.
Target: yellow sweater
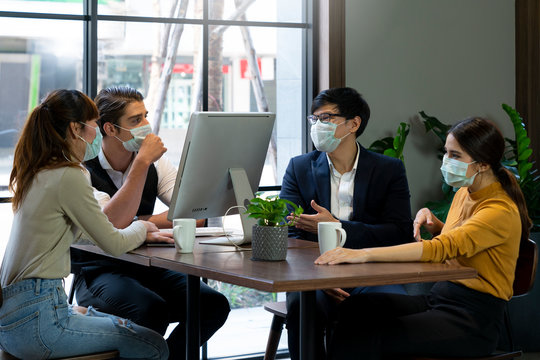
<point>483,231</point>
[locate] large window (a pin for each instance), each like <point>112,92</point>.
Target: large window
<point>183,55</point>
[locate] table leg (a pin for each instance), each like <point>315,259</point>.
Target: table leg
<point>307,325</point>
<point>192,317</point>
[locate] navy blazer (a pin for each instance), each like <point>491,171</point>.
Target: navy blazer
<point>381,201</point>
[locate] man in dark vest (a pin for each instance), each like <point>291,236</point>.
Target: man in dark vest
<point>128,175</point>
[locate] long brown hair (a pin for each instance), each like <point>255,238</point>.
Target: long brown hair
<point>43,143</point>
<point>484,142</point>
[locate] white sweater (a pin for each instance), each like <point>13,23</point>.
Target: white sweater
<point>58,206</point>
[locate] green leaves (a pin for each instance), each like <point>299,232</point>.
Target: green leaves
<point>273,211</point>
<point>433,124</point>
<point>392,146</point>
<point>521,149</point>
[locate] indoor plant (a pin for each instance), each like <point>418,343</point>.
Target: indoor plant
<point>269,237</point>
<point>392,146</point>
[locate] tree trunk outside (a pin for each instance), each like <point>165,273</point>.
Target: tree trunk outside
<point>171,45</point>
<point>256,82</point>
<point>215,61</point>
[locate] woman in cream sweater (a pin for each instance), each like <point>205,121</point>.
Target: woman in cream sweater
<point>486,222</point>
<point>53,206</point>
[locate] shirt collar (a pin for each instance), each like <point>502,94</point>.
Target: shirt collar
<point>334,171</point>
<point>103,161</point>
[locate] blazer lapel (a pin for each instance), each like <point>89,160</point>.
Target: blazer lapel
<point>321,179</point>
<point>361,181</point>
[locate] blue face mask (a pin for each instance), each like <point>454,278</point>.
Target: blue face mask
<point>92,150</point>
<point>454,172</point>
<point>138,133</point>
<point>322,135</point>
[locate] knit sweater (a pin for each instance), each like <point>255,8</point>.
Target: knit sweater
<point>483,231</point>
<point>58,207</point>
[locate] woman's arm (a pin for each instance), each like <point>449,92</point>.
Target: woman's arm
<point>398,253</point>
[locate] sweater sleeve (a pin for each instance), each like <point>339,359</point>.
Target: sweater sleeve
<point>79,205</point>
<point>486,228</point>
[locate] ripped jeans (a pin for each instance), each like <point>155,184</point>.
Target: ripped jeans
<point>36,322</point>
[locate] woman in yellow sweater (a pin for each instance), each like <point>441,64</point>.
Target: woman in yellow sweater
<point>487,219</point>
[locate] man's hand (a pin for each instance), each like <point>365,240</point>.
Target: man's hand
<point>151,150</point>
<point>337,294</point>
<point>309,222</point>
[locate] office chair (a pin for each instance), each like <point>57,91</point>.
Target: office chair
<point>523,282</point>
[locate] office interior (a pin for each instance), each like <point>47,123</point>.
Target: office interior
<point>448,58</point>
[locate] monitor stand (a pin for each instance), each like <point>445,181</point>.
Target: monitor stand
<point>243,195</point>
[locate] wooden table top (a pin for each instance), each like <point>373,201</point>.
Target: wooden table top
<point>296,273</point>
<point>299,273</point>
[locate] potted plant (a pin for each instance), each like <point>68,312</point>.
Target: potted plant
<point>269,236</point>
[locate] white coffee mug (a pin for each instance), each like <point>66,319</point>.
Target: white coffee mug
<point>331,235</point>
<point>184,234</point>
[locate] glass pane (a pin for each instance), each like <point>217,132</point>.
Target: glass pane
<point>74,7</point>
<point>258,10</point>
<point>133,54</point>
<point>274,84</point>
<point>152,8</point>
<point>36,56</point>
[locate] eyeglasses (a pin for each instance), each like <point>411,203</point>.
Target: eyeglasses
<point>324,118</point>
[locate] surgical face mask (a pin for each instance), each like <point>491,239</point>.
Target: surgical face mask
<point>323,137</point>
<point>92,150</point>
<point>454,172</point>
<point>138,133</point>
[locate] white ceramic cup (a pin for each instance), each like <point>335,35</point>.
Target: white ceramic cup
<point>184,234</point>
<point>331,235</point>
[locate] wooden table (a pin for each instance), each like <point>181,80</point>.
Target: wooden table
<point>296,273</point>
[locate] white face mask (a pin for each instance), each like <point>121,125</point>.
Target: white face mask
<point>455,172</point>
<point>139,134</point>
<point>323,137</point>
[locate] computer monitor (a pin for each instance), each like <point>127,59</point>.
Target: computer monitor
<point>221,165</point>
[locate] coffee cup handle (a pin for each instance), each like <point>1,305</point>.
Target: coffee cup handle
<point>176,230</point>
<point>343,236</point>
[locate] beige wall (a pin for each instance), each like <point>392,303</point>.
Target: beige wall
<point>450,58</point>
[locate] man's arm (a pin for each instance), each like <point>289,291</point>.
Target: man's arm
<point>291,192</point>
<point>123,206</point>
<point>161,221</point>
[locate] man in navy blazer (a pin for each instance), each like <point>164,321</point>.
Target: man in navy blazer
<point>343,182</point>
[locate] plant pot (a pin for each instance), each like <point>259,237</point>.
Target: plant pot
<point>269,243</point>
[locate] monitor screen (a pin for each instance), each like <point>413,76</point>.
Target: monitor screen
<point>216,142</point>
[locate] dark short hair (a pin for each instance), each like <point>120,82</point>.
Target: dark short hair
<point>112,102</point>
<point>349,103</point>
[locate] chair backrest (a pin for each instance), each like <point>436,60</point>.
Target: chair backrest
<point>525,267</point>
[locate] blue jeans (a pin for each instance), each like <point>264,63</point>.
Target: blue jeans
<point>156,297</point>
<point>36,322</point>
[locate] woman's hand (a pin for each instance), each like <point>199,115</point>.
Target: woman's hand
<point>424,217</point>
<point>341,255</point>
<point>309,223</point>
<point>153,235</point>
